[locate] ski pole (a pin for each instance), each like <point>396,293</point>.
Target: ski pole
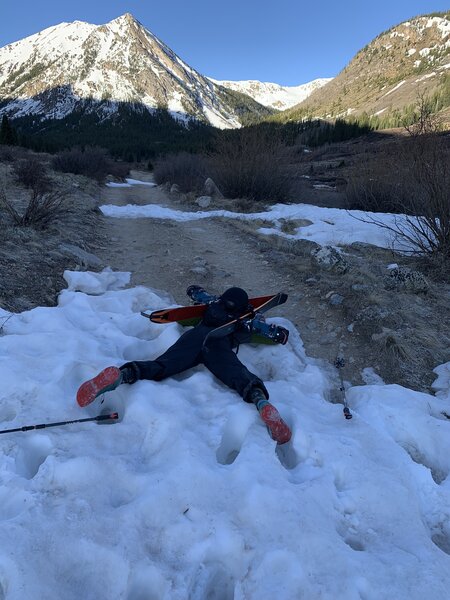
<point>339,363</point>
<point>109,417</point>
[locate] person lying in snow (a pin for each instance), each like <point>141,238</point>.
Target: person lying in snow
<point>191,350</point>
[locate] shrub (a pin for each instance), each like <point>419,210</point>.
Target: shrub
<point>6,154</point>
<point>413,178</point>
<point>32,173</point>
<point>91,162</point>
<point>250,163</point>
<point>42,208</point>
<point>188,171</point>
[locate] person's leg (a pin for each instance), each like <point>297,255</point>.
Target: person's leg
<point>182,355</point>
<point>220,359</point>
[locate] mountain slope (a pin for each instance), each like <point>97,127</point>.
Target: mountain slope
<point>389,73</point>
<point>77,65</point>
<point>274,95</point>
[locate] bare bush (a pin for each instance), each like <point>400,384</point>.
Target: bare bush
<point>188,171</point>
<point>250,163</point>
<point>6,154</point>
<point>42,208</point>
<point>32,173</point>
<point>412,179</point>
<point>91,162</point>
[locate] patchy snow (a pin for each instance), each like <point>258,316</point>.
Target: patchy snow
<point>394,88</point>
<point>397,34</point>
<point>424,77</point>
<point>187,497</point>
<point>411,51</point>
<point>442,24</point>
<point>129,183</point>
<point>371,377</point>
<point>329,226</point>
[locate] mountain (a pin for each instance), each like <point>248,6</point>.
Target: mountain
<point>82,67</point>
<point>274,95</point>
<point>389,73</point>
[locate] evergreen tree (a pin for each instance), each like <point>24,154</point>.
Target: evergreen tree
<point>7,134</point>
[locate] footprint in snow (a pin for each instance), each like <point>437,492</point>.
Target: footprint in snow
<point>211,582</point>
<point>287,455</point>
<point>32,454</point>
<point>233,435</point>
<point>7,411</point>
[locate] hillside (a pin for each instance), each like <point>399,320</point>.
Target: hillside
<point>388,74</point>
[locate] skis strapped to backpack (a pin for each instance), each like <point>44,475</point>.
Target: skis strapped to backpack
<point>191,315</point>
<point>230,327</point>
<point>261,332</point>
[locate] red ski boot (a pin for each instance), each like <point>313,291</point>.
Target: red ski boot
<point>277,428</point>
<point>106,381</point>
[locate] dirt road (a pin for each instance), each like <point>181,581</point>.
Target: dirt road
<point>170,256</point>
<point>380,332</point>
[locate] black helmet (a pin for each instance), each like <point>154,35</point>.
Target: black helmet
<point>235,299</point>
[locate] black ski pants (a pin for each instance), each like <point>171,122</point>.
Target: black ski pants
<point>189,351</point>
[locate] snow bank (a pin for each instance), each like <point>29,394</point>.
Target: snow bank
<point>187,497</point>
<point>329,226</point>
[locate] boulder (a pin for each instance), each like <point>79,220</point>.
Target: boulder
<point>83,258</point>
<point>401,278</point>
<point>204,201</point>
<point>328,258</point>
<point>211,189</point>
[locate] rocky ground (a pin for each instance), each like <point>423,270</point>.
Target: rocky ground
<point>400,331</point>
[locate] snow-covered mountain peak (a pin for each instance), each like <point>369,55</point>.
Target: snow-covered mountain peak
<point>65,67</point>
<point>274,95</point>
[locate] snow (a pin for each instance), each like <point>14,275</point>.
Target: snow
<point>187,497</point>
<point>443,24</point>
<point>129,183</point>
<point>395,88</point>
<point>273,94</point>
<point>329,226</point>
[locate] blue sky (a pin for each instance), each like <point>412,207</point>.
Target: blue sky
<point>283,41</point>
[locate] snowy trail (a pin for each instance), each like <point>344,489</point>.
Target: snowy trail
<point>188,497</point>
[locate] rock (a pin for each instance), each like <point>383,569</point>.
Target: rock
<point>211,189</point>
<point>405,279</point>
<point>204,201</point>
<point>327,257</point>
<point>336,299</point>
<point>85,259</point>
<point>372,313</point>
<point>311,281</point>
<point>202,271</point>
